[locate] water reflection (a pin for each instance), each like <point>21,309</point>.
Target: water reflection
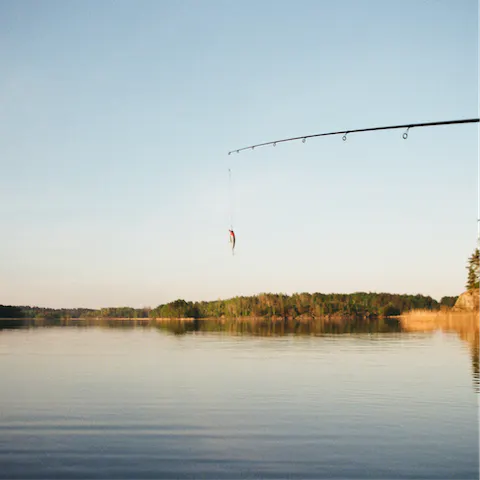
<point>475,365</point>
<point>466,326</point>
<point>22,323</point>
<point>233,326</point>
<point>144,399</point>
<point>270,328</point>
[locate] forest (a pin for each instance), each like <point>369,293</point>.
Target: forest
<point>267,305</point>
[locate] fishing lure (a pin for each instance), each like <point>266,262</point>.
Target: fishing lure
<point>232,240</point>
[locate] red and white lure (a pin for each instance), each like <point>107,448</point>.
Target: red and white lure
<point>232,240</point>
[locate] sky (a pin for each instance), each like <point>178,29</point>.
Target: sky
<point>116,118</point>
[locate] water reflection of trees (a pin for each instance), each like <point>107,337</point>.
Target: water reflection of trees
<point>22,323</point>
<point>465,325</point>
<point>472,338</point>
<point>280,327</point>
<point>233,326</point>
<point>475,365</point>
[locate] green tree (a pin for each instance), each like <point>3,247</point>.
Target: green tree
<point>391,310</point>
<point>448,301</point>
<point>473,268</point>
<point>10,311</point>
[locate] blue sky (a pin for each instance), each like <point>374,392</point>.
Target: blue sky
<point>116,118</point>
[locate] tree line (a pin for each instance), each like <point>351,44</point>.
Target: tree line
<point>67,313</point>
<point>270,305</point>
<point>316,305</point>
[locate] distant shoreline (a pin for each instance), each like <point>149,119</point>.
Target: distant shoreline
<point>301,318</point>
<point>427,315</point>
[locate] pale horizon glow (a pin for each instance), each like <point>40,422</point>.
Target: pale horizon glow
<point>116,118</point>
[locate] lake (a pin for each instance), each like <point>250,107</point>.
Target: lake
<point>237,400</point>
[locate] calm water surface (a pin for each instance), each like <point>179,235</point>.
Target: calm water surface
<point>142,402</point>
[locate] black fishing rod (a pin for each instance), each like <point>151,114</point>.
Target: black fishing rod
<point>408,126</point>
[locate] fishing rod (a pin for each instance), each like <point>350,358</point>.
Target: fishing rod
<point>408,126</point>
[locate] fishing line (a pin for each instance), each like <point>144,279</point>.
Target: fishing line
<point>478,166</point>
<point>230,194</point>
